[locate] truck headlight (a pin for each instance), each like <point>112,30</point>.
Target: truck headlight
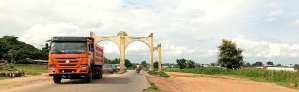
<point>51,67</point>
<point>83,67</point>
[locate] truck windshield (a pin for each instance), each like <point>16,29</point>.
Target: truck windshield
<point>68,47</point>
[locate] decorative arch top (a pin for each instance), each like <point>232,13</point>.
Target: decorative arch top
<point>145,40</point>
<point>122,33</point>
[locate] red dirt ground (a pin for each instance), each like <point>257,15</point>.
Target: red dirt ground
<point>185,82</point>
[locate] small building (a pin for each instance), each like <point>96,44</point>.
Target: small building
<point>40,62</point>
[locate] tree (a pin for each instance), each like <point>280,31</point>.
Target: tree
<point>156,64</point>
<point>8,43</point>
<point>128,63</point>
<point>270,63</point>
<point>197,65</point>
<point>296,67</point>
<point>181,63</point>
<point>278,65</point>
<point>247,64</point>
<point>258,63</point>
<point>229,55</point>
<point>213,64</point>
<point>143,64</point>
<point>13,54</point>
<point>190,64</point>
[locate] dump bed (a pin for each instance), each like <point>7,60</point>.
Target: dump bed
<point>98,54</point>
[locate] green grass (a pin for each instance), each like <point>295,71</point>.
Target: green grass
<point>152,88</point>
<point>279,77</point>
<point>156,73</point>
<point>1,78</point>
<point>31,69</point>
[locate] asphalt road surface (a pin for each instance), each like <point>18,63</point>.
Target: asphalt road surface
<point>128,82</point>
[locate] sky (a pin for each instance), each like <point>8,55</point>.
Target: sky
<point>267,30</point>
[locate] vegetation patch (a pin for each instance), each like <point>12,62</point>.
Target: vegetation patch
<point>152,88</point>
<point>279,77</point>
<point>31,69</point>
<point>156,73</point>
<point>1,78</point>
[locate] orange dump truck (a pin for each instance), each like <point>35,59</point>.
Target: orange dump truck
<point>75,58</point>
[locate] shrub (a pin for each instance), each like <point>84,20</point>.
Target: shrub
<point>156,73</point>
<point>24,61</point>
<point>266,75</point>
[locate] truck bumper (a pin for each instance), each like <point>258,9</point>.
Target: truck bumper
<point>68,71</point>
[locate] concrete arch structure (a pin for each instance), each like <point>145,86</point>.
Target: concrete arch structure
<point>159,49</point>
<point>122,40</point>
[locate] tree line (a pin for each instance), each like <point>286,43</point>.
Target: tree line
<point>11,49</point>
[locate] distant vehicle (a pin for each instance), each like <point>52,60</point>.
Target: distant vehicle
<point>115,67</point>
<point>118,67</point>
<point>109,68</point>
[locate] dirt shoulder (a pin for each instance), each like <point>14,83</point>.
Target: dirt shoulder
<point>23,81</point>
<point>185,82</point>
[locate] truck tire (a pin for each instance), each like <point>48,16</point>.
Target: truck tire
<point>101,73</point>
<point>88,77</point>
<point>97,76</point>
<point>57,79</point>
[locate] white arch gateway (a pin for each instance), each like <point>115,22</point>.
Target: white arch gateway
<point>122,40</point>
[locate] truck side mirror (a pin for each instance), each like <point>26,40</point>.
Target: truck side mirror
<point>47,46</point>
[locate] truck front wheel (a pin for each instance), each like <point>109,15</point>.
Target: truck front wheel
<point>57,78</point>
<point>88,78</point>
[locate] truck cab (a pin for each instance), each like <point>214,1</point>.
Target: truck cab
<point>74,58</point>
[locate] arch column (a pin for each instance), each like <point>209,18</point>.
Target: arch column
<point>122,54</point>
<point>151,43</point>
<point>159,49</point>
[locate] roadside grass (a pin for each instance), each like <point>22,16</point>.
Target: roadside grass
<point>282,78</point>
<point>157,73</point>
<point>152,88</point>
<point>31,69</point>
<point>1,78</point>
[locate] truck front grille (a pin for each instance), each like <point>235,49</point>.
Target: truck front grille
<point>63,61</point>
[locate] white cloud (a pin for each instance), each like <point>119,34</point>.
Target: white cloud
<point>266,49</point>
<point>297,22</point>
<point>190,29</point>
<point>270,19</point>
<point>38,34</point>
<point>276,13</point>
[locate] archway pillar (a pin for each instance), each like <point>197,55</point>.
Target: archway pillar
<point>160,57</point>
<point>151,43</point>
<point>158,48</point>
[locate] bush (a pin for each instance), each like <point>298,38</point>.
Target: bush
<point>23,61</point>
<point>255,74</point>
<point>160,74</point>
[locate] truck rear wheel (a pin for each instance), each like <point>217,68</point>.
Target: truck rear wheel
<point>97,76</point>
<point>57,79</point>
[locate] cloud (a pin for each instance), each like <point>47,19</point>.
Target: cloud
<point>190,29</point>
<point>267,49</point>
<point>38,34</point>
<point>270,19</point>
<point>297,22</point>
<point>276,13</point>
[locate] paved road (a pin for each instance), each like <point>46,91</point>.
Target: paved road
<point>128,82</point>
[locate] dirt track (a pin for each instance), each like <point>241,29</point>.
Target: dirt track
<point>184,82</point>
